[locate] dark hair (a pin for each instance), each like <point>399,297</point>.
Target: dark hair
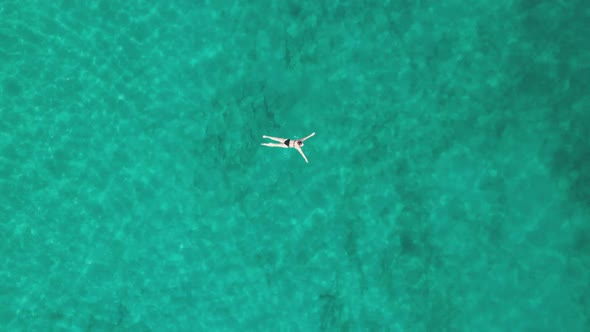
<point>299,142</point>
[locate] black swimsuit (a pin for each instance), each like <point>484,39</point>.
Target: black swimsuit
<point>287,142</point>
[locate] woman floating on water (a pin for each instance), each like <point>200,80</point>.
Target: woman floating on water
<point>288,143</point>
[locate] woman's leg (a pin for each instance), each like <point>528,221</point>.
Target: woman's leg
<point>275,145</point>
<point>275,138</point>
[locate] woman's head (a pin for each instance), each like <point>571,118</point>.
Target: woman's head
<point>300,143</point>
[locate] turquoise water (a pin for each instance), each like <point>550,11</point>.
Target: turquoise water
<point>448,184</point>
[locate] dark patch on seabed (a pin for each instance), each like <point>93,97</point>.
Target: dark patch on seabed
<point>560,29</point>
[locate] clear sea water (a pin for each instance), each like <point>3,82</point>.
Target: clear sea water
<point>448,184</point>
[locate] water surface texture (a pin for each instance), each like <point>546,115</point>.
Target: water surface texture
<point>448,184</point>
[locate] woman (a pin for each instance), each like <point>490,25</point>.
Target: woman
<point>288,143</point>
